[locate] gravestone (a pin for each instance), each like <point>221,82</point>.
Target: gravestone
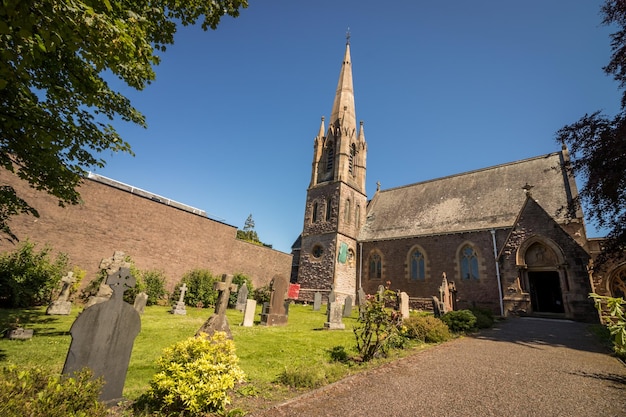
<point>140,302</point>
<point>242,297</point>
<point>248,314</point>
<point>276,313</point>
<point>404,305</point>
<point>381,292</point>
<point>317,301</point>
<point>361,299</point>
<point>447,294</point>
<point>218,321</point>
<point>347,307</point>
<point>103,337</point>
<point>179,308</point>
<point>19,333</point>
<point>436,307</point>
<point>331,298</point>
<point>333,317</point>
<point>62,306</point>
<point>108,266</point>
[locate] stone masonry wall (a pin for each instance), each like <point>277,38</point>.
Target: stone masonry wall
<point>153,234</point>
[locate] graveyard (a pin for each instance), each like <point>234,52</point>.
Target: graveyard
<point>302,345</point>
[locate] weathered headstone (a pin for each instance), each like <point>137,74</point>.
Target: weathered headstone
<point>19,333</point>
<point>276,314</point>
<point>333,317</point>
<point>381,292</point>
<point>317,301</point>
<point>140,302</point>
<point>218,321</point>
<point>347,307</point>
<point>436,306</point>
<point>361,299</point>
<point>446,294</point>
<point>248,314</point>
<point>242,297</point>
<point>179,308</point>
<point>331,298</point>
<point>62,306</point>
<point>404,305</point>
<point>108,266</point>
<point>103,337</point>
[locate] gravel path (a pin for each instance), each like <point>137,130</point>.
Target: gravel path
<point>523,367</point>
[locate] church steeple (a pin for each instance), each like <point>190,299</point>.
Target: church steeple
<point>343,114</point>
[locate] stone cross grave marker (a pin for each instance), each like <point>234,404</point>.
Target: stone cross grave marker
<point>179,308</point>
<point>347,307</point>
<point>242,297</point>
<point>333,317</point>
<point>317,301</point>
<point>108,266</point>
<point>331,298</point>
<point>103,336</point>
<point>62,306</point>
<point>276,313</point>
<point>218,321</point>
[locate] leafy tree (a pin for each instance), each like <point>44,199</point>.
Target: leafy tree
<point>248,233</point>
<point>597,145</point>
<point>56,108</point>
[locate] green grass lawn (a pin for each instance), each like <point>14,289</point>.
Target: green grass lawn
<point>264,352</point>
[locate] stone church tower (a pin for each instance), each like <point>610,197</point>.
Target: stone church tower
<point>336,200</point>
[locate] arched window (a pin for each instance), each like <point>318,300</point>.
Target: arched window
<point>330,156</point>
<point>346,214</point>
<point>329,208</point>
<point>469,263</point>
<point>351,160</point>
<point>314,214</point>
<point>417,265</point>
<point>376,266</point>
<point>618,284</point>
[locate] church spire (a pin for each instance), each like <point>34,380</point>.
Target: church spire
<point>343,115</point>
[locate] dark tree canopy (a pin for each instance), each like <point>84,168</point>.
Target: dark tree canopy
<point>56,108</point>
<point>597,145</point>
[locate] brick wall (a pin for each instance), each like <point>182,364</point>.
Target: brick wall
<point>155,235</point>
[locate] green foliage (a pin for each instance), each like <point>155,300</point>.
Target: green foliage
<point>239,279</point>
<point>262,294</point>
<point>29,277</point>
<point>194,376</point>
<point>310,375</point>
<point>200,290</point>
<point>379,328</point>
<point>154,285</point>
<point>338,354</point>
<point>39,392</point>
<point>56,107</point>
<point>79,274</point>
<point>484,318</point>
<point>426,329</point>
<point>460,321</point>
<point>613,313</point>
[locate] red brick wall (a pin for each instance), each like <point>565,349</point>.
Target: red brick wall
<point>153,234</point>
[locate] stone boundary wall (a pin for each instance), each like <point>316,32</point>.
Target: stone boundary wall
<point>155,234</point>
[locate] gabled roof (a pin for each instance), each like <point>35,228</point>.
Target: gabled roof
<point>477,200</point>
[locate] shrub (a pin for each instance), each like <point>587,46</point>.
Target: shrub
<point>262,294</point>
<point>310,375</point>
<point>199,288</point>
<point>426,329</point>
<point>378,329</point>
<point>239,279</point>
<point>460,321</point>
<point>38,392</point>
<point>484,318</point>
<point>613,313</point>
<point>338,354</point>
<point>29,278</point>
<point>154,286</point>
<point>194,377</point>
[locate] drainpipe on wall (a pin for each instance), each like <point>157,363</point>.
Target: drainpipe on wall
<point>495,257</point>
<point>360,262</point>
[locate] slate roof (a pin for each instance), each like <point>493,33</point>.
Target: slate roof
<point>477,200</point>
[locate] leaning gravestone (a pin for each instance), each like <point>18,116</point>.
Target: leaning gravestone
<point>140,302</point>
<point>276,313</point>
<point>347,307</point>
<point>103,337</point>
<point>242,297</point>
<point>248,314</point>
<point>218,321</point>
<point>179,308</point>
<point>108,266</point>
<point>333,317</point>
<point>61,306</point>
<point>317,301</point>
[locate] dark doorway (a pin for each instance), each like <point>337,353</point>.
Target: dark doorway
<point>545,292</point>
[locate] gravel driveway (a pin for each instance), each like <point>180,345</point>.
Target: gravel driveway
<point>523,367</point>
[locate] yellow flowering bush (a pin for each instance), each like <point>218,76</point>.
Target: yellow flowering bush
<point>195,376</point>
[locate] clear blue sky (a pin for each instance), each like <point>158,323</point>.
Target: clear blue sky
<point>456,85</point>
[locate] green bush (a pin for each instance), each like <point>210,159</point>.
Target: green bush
<point>154,285</point>
<point>426,329</point>
<point>379,329</point>
<point>262,294</point>
<point>311,375</point>
<point>200,290</point>
<point>239,279</point>
<point>460,321</point>
<point>484,318</point>
<point>29,278</point>
<point>194,377</point>
<point>613,313</point>
<point>38,392</point>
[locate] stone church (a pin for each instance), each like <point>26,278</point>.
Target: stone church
<point>499,234</point>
